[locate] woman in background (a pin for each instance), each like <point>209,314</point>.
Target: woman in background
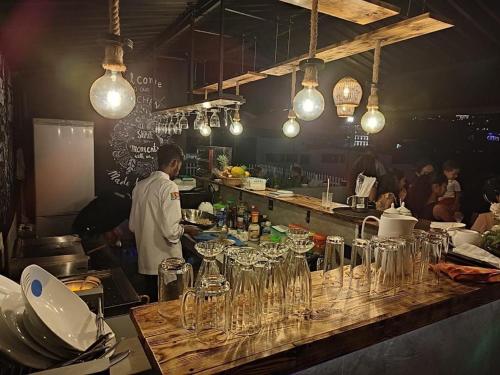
<point>391,190</point>
<point>433,187</point>
<point>491,194</point>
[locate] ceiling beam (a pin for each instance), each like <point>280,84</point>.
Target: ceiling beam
<point>180,25</point>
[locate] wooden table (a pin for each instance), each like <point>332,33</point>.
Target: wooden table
<point>293,345</point>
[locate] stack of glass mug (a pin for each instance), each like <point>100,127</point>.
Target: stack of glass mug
<point>263,285</point>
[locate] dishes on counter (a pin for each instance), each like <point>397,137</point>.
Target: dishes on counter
<point>446,225</point>
<point>51,304</point>
<point>42,322</point>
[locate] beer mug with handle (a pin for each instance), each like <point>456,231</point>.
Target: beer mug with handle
<point>175,276</point>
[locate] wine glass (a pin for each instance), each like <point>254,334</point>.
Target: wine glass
<point>214,119</point>
<point>208,250</point>
<point>183,122</point>
<point>458,216</point>
<point>198,121</point>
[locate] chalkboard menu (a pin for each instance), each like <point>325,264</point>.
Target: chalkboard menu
<point>6,145</point>
<point>129,152</point>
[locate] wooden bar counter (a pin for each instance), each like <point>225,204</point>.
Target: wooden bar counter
<point>295,345</point>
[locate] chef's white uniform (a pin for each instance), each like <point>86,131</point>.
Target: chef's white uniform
<point>155,219</point>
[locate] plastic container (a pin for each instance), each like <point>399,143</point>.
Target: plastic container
<point>319,240</point>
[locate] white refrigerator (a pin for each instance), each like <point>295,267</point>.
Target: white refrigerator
<point>64,172</point>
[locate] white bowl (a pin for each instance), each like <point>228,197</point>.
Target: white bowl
<point>11,311</point>
<point>59,309</point>
<point>7,286</point>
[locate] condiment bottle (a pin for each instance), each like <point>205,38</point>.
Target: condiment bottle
<point>254,228</point>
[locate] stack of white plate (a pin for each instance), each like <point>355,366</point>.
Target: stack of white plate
<point>42,322</point>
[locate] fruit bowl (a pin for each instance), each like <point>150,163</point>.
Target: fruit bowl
<point>232,181</point>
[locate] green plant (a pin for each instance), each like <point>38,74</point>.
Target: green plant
<point>491,242</point>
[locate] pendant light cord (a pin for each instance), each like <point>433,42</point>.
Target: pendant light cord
<point>294,82</point>
<point>114,17</point>
<point>313,35</point>
<point>373,98</point>
<point>376,63</point>
<point>113,53</point>
<point>311,71</point>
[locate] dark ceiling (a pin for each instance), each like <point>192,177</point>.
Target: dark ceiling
<point>36,34</point>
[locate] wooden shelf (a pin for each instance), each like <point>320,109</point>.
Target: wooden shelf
<point>231,82</point>
<point>410,28</point>
<point>359,11</point>
<point>201,105</point>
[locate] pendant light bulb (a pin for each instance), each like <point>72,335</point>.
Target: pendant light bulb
<point>308,104</point>
<point>112,96</point>
<point>373,121</point>
<point>291,128</point>
<point>236,128</point>
<point>205,130</point>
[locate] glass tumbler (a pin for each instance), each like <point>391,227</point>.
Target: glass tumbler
<point>360,268</point>
<point>175,276</point>
<point>299,284</point>
<point>332,267</point>
<point>431,257</point>
<point>209,267</point>
<point>230,266</point>
<point>273,282</point>
<point>387,268</point>
<point>211,309</point>
<point>246,304</point>
<point>443,235</point>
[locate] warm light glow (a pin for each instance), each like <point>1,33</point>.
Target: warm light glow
<point>350,119</point>
<point>205,130</point>
<point>291,128</point>
<point>112,96</point>
<point>373,121</point>
<point>114,99</point>
<point>346,92</point>
<point>236,128</point>
<point>206,105</point>
<point>308,104</point>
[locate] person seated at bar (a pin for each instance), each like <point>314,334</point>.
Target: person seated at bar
<point>434,187</point>
<point>392,189</point>
<point>369,165</point>
<point>453,190</point>
<point>485,221</point>
<point>296,177</point>
<point>422,168</point>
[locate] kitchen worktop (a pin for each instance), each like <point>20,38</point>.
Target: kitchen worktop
<point>295,345</point>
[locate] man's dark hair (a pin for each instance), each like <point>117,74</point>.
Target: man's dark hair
<point>167,153</point>
<point>450,165</point>
<point>421,164</point>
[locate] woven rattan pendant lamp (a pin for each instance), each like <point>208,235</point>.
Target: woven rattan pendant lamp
<point>347,95</point>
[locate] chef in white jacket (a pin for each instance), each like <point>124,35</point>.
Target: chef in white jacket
<point>156,215</point>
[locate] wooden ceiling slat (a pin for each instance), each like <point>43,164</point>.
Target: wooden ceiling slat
<point>404,30</point>
<point>231,82</point>
<point>361,12</point>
